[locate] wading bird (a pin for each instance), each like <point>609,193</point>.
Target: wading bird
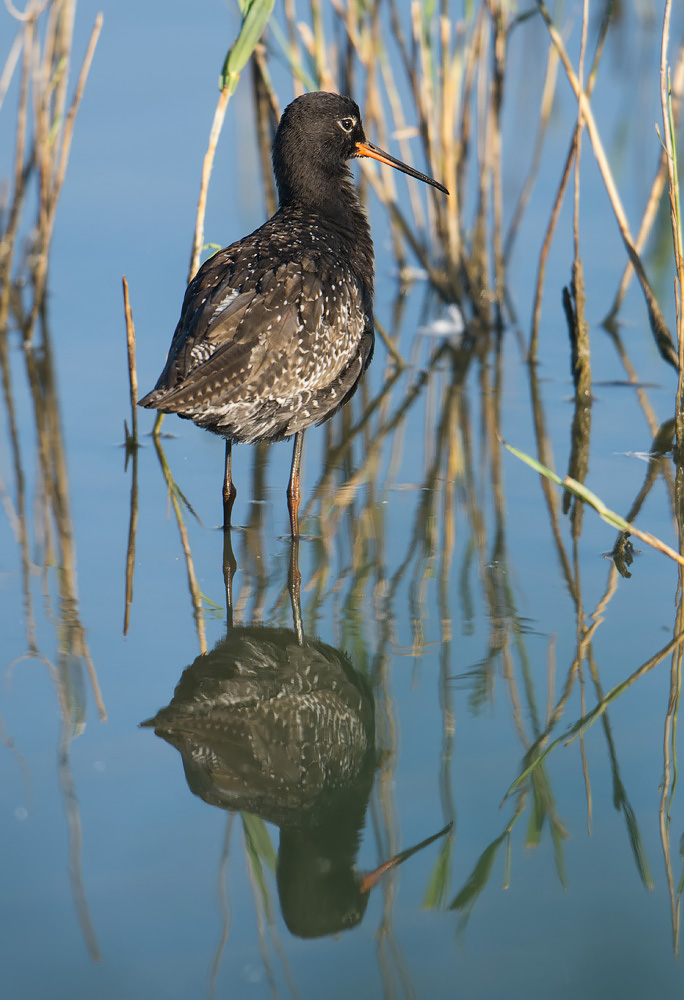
<point>277,329</point>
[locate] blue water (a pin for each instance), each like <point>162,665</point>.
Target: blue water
<point>429,565</point>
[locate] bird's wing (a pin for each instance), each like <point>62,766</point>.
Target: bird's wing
<point>272,326</point>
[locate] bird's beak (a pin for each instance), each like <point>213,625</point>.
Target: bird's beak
<point>371,879</point>
<point>368,149</point>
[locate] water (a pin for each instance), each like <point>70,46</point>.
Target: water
<point>443,592</point>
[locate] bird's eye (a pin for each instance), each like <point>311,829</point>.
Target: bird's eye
<point>347,124</point>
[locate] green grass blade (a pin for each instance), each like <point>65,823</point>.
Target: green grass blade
<point>637,845</point>
<point>538,814</point>
<point>255,16</point>
<point>557,837</point>
<point>257,834</point>
<point>479,877</point>
<point>260,851</point>
<point>440,877</point>
<point>608,515</point>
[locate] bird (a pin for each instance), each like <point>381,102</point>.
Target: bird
<point>276,329</point>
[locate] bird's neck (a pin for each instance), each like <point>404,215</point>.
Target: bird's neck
<point>335,206</point>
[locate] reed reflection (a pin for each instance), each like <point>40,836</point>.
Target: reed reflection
<point>39,509</point>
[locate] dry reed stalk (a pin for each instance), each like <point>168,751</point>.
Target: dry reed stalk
<point>433,72</point>
<point>377,121</point>
<point>444,216</point>
<point>320,50</point>
<point>546,246</point>
<point>545,105</point>
<point>478,263</point>
<point>207,166</point>
<point>436,278</point>
<point>545,457</point>
<point>551,677</point>
<point>132,439</point>
<point>583,644</point>
<point>34,8</point>
<point>41,115</point>
<point>131,445</point>
<point>193,586</point>
<point>651,210</point>
<point>497,14</point>
<point>370,46</point>
<point>317,57</point>
<point>369,57</point>
<point>402,132</point>
<point>453,72</point>
<point>335,455</point>
<point>67,135</point>
<point>560,194</point>
<point>56,504</point>
<point>409,67</point>
<point>579,332</point>
<point>7,246</point>
<point>291,22</point>
<point>659,328</point>
<point>75,832</point>
<point>266,120</point>
<point>423,75</point>
<point>669,779</point>
<point>27,568</point>
<point>578,153</point>
<point>260,61</point>
<point>51,186</point>
<point>130,548</point>
<point>676,223</point>
<point>391,349</point>
<point>10,66</point>
<point>473,55</point>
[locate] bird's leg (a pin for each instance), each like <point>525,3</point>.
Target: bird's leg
<point>293,495</point>
<point>229,491</point>
<point>294,583</point>
<point>229,570</point>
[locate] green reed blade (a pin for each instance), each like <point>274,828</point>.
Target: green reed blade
<point>604,512</point>
<point>440,877</point>
<point>255,16</point>
<point>259,839</point>
<point>260,851</point>
<point>479,877</point>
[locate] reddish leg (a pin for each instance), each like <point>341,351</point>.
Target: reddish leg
<point>294,583</point>
<point>293,494</point>
<point>229,491</point>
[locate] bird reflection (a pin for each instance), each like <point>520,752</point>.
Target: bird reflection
<point>275,724</point>
<point>282,726</point>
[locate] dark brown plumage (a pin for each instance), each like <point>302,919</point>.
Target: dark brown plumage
<point>277,329</point>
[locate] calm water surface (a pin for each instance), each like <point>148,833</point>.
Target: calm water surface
<point>454,622</point>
